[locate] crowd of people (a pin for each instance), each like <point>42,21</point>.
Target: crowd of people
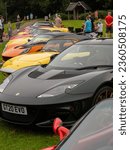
<point>9,27</point>
<point>90,25</point>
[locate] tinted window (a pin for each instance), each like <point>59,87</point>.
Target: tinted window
<point>57,45</point>
<point>40,39</point>
<point>78,56</point>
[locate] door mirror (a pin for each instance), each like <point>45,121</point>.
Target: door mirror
<point>59,129</point>
<point>53,56</point>
<point>29,40</point>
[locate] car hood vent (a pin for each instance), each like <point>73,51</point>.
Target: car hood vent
<point>56,74</point>
<point>35,74</point>
<point>63,75</point>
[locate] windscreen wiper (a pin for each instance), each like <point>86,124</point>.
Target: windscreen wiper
<point>95,67</point>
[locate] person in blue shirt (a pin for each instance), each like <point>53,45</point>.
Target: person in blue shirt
<point>88,25</point>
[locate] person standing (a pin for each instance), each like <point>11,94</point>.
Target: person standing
<point>109,24</point>
<point>9,29</point>
<point>2,21</point>
<point>91,17</point>
<point>88,25</point>
<point>18,23</point>
<point>1,29</point>
<point>31,16</point>
<point>58,21</point>
<point>99,28</point>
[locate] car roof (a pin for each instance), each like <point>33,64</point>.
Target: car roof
<point>72,37</point>
<point>58,33</point>
<point>43,22</point>
<point>98,41</point>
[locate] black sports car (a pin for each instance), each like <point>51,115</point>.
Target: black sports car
<point>73,82</point>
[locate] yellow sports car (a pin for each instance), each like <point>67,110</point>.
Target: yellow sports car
<point>53,47</point>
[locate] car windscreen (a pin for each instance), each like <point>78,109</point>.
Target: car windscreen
<point>40,31</point>
<point>42,24</point>
<point>80,56</point>
<point>95,132</point>
<point>57,45</point>
<point>40,38</point>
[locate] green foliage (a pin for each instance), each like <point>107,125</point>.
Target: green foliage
<point>103,13</point>
<point>82,16</point>
<point>2,8</point>
<point>64,16</point>
<point>41,8</point>
<point>25,138</point>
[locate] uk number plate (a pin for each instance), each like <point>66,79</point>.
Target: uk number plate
<point>20,110</point>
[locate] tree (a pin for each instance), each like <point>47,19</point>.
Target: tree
<point>2,7</point>
<point>41,8</point>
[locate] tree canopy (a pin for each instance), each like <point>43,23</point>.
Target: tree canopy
<point>40,8</point>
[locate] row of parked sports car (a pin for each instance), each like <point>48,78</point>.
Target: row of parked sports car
<point>44,84</point>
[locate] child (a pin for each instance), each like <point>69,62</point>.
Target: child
<point>99,28</point>
<point>9,29</point>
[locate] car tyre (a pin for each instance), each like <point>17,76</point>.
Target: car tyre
<point>103,93</point>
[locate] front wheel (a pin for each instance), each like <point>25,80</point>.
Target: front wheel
<point>103,93</point>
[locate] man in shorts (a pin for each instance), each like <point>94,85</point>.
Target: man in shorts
<point>109,24</point>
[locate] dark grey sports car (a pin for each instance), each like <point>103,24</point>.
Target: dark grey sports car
<point>73,82</point>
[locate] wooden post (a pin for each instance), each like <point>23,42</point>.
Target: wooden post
<point>68,16</point>
<point>74,15</point>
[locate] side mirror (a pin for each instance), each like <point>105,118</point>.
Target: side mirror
<point>59,129</point>
<point>53,56</point>
<point>29,40</point>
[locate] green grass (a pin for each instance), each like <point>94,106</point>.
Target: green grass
<point>13,137</point>
<point>13,26</point>
<point>73,23</point>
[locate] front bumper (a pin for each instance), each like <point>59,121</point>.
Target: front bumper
<point>42,112</point>
<point>41,116</point>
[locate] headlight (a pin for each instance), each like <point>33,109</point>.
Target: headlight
<point>5,83</point>
<point>57,90</point>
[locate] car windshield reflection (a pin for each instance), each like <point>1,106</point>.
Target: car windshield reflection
<point>80,56</point>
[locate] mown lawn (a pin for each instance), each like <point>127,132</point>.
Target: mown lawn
<point>73,23</point>
<point>14,137</point>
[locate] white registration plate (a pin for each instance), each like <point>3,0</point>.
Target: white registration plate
<point>14,109</point>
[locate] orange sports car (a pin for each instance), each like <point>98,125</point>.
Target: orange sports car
<point>21,38</point>
<point>35,44</point>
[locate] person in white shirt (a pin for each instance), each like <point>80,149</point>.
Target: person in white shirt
<point>99,28</point>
